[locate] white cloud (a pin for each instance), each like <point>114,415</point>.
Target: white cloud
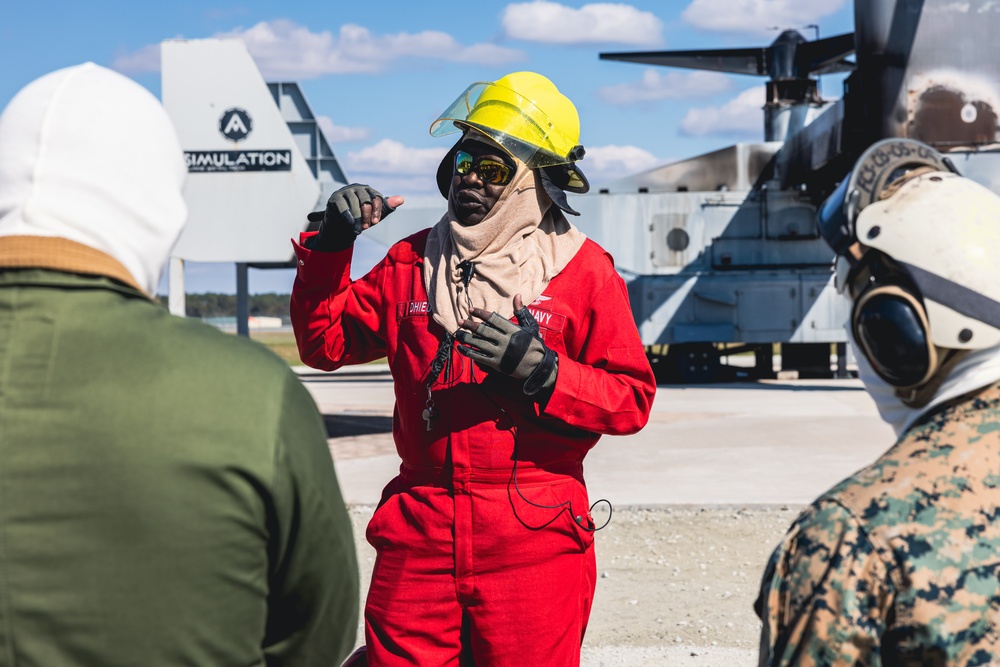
<point>391,157</point>
<point>146,59</point>
<point>757,16</point>
<point>740,117</point>
<point>655,85</point>
<point>606,163</point>
<point>337,133</point>
<point>283,49</point>
<point>393,168</point>
<point>553,23</point>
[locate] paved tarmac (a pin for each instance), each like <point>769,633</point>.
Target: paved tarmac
<point>776,442</point>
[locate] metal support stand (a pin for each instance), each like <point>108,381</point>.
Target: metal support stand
<point>175,287</point>
<point>842,360</point>
<point>242,299</point>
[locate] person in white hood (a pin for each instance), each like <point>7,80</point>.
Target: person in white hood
<point>900,563</point>
<point>92,159</point>
<point>166,493</point>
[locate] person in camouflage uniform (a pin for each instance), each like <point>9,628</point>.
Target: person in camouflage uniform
<point>900,563</point>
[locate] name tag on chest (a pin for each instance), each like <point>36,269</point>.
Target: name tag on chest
<point>406,309</point>
<point>547,320</point>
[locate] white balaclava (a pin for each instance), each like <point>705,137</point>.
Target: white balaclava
<point>88,155</point>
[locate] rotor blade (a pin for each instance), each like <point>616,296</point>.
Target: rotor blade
<point>734,61</point>
<point>823,54</point>
<point>839,66</point>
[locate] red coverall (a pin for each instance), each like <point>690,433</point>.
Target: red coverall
<point>464,555</point>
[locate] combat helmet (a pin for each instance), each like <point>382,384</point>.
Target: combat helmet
<point>916,248</point>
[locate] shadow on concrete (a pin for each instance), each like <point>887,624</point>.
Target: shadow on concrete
<point>343,425</point>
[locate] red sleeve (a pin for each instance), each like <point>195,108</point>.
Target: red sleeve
<point>608,386</point>
<point>336,321</point>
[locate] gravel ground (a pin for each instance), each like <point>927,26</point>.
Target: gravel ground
<point>676,584</point>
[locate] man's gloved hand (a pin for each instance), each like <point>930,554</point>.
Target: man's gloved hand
<point>513,349</point>
<point>350,210</point>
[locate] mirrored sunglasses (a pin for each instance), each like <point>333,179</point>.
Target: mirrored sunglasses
<point>489,170</point>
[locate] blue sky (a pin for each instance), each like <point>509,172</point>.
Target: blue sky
<point>378,73</point>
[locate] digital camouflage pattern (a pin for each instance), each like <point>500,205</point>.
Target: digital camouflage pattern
<point>900,563</point>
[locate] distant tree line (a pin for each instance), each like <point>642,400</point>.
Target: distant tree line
<point>213,304</point>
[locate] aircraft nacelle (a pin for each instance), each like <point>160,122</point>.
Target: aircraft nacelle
<point>722,248</point>
<point>925,70</point>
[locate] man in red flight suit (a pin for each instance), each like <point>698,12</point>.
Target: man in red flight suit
<point>512,349</point>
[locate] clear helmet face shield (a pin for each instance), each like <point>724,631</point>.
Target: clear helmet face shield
<point>516,123</point>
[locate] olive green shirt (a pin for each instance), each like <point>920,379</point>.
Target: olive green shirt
<point>166,493</point>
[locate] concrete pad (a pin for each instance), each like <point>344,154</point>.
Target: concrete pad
<point>761,443</point>
<point>666,656</point>
<point>775,442</point>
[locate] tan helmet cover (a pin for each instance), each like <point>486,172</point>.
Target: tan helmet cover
<point>943,226</point>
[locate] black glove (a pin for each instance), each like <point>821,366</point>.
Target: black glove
<point>513,349</point>
<point>344,219</point>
